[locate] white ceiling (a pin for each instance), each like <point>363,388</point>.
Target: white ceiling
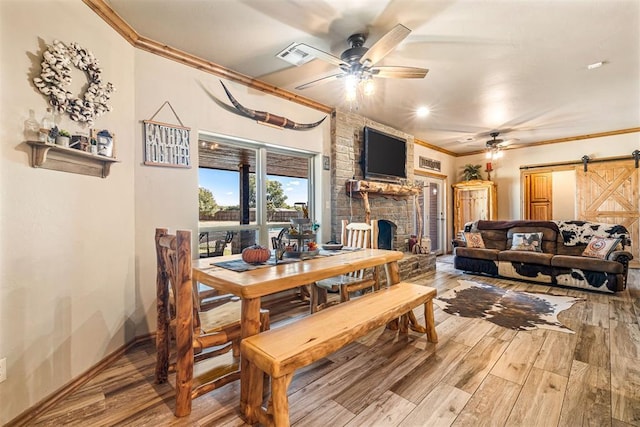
<point>515,66</point>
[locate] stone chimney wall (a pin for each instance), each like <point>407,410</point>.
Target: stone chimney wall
<point>346,153</point>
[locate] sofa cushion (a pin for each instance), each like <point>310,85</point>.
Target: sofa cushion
<point>528,257</point>
<point>494,239</point>
<point>562,249</point>
<point>600,247</point>
<point>587,264</point>
<point>526,242</point>
<point>549,237</point>
<point>473,240</point>
<point>488,254</point>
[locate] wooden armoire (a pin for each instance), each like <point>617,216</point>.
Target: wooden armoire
<point>473,200</point>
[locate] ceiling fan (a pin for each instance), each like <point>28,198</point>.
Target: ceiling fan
<point>495,146</point>
<point>495,143</point>
<point>358,61</point>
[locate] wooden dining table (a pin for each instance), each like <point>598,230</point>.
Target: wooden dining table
<point>253,284</point>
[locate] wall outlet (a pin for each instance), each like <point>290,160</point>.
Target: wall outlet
<point>3,369</point>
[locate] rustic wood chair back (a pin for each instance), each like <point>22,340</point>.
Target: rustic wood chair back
<point>355,235</point>
<point>216,330</point>
<point>359,235</point>
<point>222,243</point>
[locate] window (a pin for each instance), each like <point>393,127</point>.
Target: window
<point>250,190</point>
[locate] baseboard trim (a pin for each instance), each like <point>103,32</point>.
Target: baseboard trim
<point>45,404</point>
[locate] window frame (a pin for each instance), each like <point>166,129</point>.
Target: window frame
<point>261,226</point>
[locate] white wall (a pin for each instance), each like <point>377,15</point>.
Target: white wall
<point>507,170</point>
<point>77,278</point>
<point>157,80</point>
<point>67,295</point>
<point>563,193</point>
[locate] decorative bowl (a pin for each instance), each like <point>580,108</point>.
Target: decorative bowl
<point>332,246</point>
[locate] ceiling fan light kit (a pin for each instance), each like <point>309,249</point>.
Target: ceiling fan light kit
<point>494,154</point>
<point>494,147</point>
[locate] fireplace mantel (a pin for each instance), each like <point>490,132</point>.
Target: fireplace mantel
<point>360,187</point>
<point>365,189</point>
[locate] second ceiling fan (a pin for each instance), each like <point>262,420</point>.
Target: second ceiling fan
<point>357,62</point>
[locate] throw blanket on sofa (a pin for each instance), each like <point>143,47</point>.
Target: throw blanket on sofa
<point>505,225</point>
<point>580,232</point>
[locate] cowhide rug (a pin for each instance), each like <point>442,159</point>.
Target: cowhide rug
<point>521,311</point>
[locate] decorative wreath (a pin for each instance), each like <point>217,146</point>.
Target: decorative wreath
<point>56,75</point>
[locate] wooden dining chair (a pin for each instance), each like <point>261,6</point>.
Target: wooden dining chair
<point>198,334</point>
<point>354,235</point>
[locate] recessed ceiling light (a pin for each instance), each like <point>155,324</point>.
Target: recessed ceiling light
<point>422,111</point>
<point>595,65</point>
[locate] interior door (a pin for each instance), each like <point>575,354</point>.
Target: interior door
<point>608,193</point>
<point>433,214</point>
<point>538,196</point>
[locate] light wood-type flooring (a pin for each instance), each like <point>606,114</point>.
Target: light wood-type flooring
<point>478,374</point>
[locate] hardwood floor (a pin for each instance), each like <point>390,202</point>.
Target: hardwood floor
<point>478,374</point>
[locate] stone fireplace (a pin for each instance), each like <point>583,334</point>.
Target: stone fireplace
<point>346,152</point>
<point>395,210</point>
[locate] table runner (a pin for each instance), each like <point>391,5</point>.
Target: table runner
<point>240,266</point>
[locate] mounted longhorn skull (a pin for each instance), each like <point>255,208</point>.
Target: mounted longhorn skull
<point>268,118</point>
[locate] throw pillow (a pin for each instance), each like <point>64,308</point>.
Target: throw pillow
<point>600,247</point>
<point>527,242</point>
<point>474,240</point>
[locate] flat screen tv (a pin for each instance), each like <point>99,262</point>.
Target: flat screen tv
<point>384,157</point>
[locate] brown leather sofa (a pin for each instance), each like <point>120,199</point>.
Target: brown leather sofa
<point>561,261</point>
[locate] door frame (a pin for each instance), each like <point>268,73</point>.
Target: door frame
<point>527,206</point>
<point>442,181</point>
<point>527,171</point>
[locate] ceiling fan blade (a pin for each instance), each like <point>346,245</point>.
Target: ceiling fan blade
<point>508,142</point>
<point>399,72</point>
<point>385,45</point>
<point>319,81</point>
<point>310,50</point>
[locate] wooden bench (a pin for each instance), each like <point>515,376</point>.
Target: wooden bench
<point>279,352</point>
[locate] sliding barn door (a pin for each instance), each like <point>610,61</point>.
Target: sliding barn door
<point>608,193</point>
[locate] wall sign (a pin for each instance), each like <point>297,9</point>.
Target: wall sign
<point>166,144</point>
<point>426,163</point>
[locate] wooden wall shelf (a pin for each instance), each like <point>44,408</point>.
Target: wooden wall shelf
<point>365,189</point>
<point>56,157</point>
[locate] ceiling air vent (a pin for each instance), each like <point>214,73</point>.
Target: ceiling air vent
<point>295,56</point>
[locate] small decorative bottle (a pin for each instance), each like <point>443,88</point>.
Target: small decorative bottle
<point>31,127</point>
<point>47,123</point>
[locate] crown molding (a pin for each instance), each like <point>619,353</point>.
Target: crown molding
<point>435,147</point>
<point>559,140</point>
<point>102,9</point>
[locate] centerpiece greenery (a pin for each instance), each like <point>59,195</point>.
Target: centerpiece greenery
<point>471,172</point>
